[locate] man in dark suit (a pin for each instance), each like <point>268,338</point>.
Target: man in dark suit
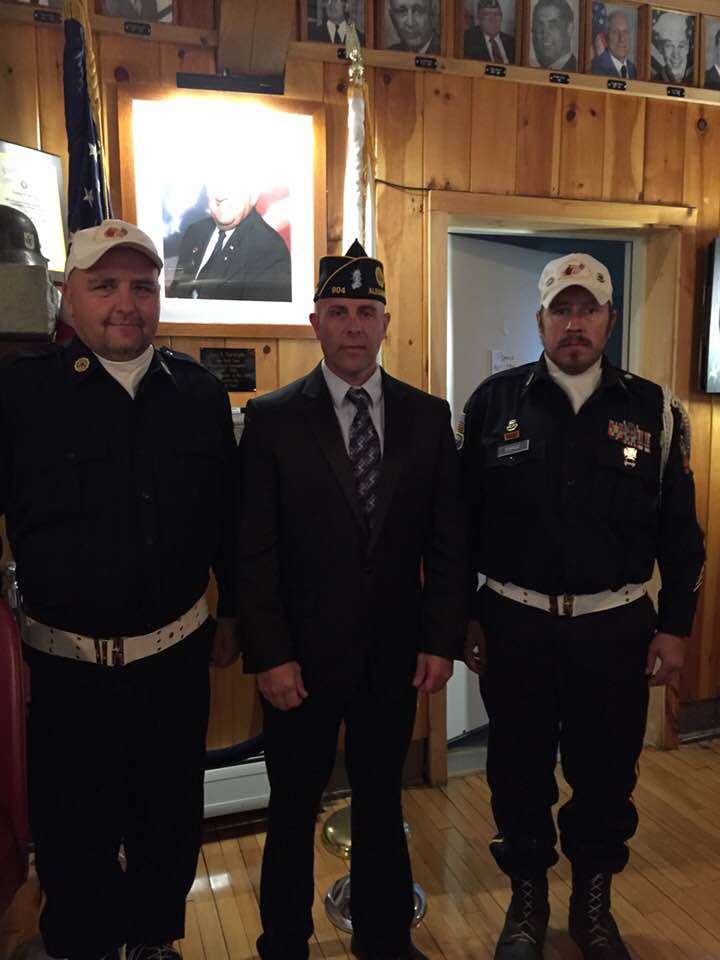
<point>712,75</point>
<point>233,254</point>
<point>353,597</point>
<point>414,22</point>
<point>334,24</point>
<point>486,41</point>
<point>553,25</point>
<point>614,60</point>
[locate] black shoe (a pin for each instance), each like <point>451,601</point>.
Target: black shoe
<point>162,951</point>
<point>526,920</point>
<point>591,925</point>
<point>357,951</point>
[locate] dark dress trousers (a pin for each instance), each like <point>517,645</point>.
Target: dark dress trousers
<point>254,264</point>
<point>475,46</point>
<point>353,608</point>
<point>605,66</point>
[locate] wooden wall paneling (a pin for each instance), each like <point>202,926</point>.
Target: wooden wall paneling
<point>446,132</point>
<point>399,111</point>
<point>19,85</point>
<point>304,80</point>
<point>582,147</point>
<point>50,42</point>
<point>181,58</point>
<point>664,152</point>
<point>538,141</point>
<point>253,36</point>
<point>296,358</point>
<point>708,658</point>
<point>266,367</point>
<point>624,148</point>
<point>196,13</point>
<point>493,136</point>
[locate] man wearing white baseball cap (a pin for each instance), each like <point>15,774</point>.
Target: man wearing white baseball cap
<point>577,480</point>
<point>115,483</point>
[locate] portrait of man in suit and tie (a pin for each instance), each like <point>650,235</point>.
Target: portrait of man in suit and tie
<point>672,51</point>
<point>353,587</point>
<point>712,53</point>
<point>139,9</point>
<point>412,25</point>
<point>328,22</point>
<point>554,34</point>
<point>232,253</point>
<point>614,41</point>
<point>492,36</point>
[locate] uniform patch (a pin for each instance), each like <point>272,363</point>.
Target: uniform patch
<point>460,432</point>
<point>630,434</point>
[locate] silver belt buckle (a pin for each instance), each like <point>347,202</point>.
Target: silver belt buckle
<point>568,605</point>
<point>110,652</point>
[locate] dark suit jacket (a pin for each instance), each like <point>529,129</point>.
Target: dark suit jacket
<point>319,34</point>
<point>313,586</point>
<point>475,47</point>
<point>604,65</point>
<point>255,263</point>
<point>712,79</point>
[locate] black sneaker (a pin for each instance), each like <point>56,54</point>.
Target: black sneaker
<point>592,925</point>
<point>163,951</point>
<point>526,920</point>
<point>412,954</point>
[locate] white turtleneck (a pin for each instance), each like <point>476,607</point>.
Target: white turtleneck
<point>129,373</point>
<point>578,387</point>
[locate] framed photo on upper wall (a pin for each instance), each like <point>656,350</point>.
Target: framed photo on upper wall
<point>415,26</point>
<point>673,53</point>
<point>324,21</point>
<point>553,35</point>
<point>616,39</point>
<point>711,53</point>
<point>231,189</point>
<point>162,11</point>
<point>489,30</point>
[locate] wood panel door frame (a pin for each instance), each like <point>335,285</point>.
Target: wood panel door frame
<point>662,230</point>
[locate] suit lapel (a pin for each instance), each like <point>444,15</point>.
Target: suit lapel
<point>326,428</point>
<point>398,423</point>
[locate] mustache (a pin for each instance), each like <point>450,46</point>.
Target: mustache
<point>575,342</point>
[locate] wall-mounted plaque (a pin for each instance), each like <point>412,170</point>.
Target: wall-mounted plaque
<point>234,367</point>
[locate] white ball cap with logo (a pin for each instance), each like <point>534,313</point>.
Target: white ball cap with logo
<point>87,246</point>
<point>575,270</point>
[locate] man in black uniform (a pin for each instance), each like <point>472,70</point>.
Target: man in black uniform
<point>577,479</point>
<point>114,478</point>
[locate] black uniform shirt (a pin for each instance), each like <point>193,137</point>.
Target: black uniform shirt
<point>115,507</point>
<point>574,503</point>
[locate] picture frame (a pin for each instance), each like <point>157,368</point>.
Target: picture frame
<point>413,26</point>
<point>552,33</point>
<point>238,219</point>
<point>709,76</point>
<point>489,30</point>
<point>616,38</point>
<point>672,47</point>
<point>145,11</point>
<point>318,17</point>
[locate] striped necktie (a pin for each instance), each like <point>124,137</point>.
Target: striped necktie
<point>364,451</point>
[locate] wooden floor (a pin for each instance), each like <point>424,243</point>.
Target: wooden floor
<point>667,901</point>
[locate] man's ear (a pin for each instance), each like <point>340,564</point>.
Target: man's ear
<point>315,321</point>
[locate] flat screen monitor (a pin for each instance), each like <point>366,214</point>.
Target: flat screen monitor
<point>710,344</point>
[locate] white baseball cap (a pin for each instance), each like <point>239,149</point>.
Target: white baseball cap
<point>575,270</point>
<point>87,246</point>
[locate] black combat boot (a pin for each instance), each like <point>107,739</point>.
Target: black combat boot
<point>525,921</point>
<point>592,926</point>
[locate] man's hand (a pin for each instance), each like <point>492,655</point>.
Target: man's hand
<point>432,672</point>
<point>283,685</point>
<point>475,648</point>
<point>670,651</point>
<point>226,642</point>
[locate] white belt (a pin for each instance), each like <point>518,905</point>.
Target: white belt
<point>113,651</point>
<point>567,605</point>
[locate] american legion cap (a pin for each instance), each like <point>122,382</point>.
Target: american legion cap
<point>356,276</point>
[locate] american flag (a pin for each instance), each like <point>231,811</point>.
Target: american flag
<point>88,198</point>
<point>599,28</point>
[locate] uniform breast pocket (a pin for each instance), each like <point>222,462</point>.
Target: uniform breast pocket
<point>627,483</point>
<point>515,475</point>
<point>197,461</point>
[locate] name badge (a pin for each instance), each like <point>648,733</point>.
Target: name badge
<point>508,449</point>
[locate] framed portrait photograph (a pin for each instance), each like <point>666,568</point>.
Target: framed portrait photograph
<point>615,33</point>
<point>145,10</point>
<point>325,21</point>
<point>488,30</point>
<point>711,53</point>
<point>672,46</point>
<point>228,187</point>
<point>553,35</point>
<point>415,26</point>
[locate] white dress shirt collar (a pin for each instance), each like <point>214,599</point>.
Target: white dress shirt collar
<point>338,387</point>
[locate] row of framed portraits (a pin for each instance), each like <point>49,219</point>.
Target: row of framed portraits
<point>620,39</point>
<point>147,11</point>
